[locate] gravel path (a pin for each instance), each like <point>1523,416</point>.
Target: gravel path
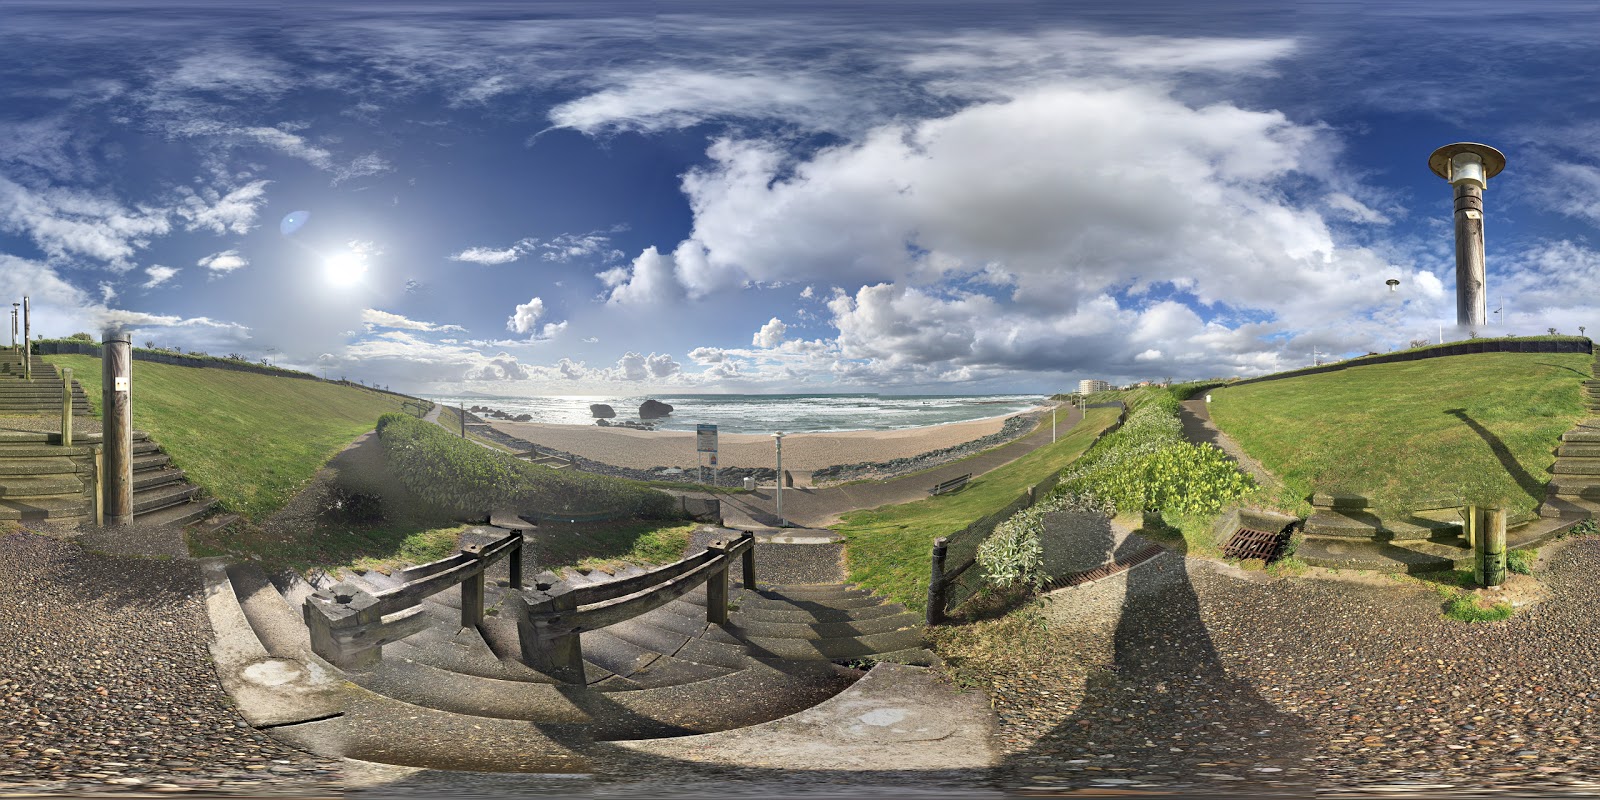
<point>1195,677</point>
<point>106,683</point>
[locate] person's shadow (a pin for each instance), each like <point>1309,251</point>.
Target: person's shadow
<point>1165,711</point>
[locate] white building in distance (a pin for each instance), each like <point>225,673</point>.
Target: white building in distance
<point>1092,386</point>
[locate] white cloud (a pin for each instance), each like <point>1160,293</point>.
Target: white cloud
<point>526,316</point>
<point>223,262</point>
<point>673,97</point>
<point>771,334</point>
<point>158,275</point>
<point>708,355</point>
<point>649,280</point>
<point>209,209</point>
<point>564,248</point>
<point>488,255</point>
<point>66,222</point>
<point>383,319</point>
<point>634,367</point>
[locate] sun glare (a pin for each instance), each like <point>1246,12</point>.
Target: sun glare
<point>345,269</point>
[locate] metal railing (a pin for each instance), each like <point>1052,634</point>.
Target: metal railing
<point>349,625</point>
<point>552,616</point>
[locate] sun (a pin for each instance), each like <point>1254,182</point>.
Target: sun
<point>345,269</point>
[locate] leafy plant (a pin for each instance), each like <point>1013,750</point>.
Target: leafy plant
<point>1521,561</point>
<point>1012,555</point>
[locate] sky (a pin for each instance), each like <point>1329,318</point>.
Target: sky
<point>897,197</point>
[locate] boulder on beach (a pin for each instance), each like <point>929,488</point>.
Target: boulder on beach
<point>602,411</point>
<point>653,409</point>
<point>522,418</point>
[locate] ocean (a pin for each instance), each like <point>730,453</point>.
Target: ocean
<point>766,413</point>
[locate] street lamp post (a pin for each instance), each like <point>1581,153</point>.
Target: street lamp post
<point>1468,166</point>
<point>16,309</point>
<point>778,437</point>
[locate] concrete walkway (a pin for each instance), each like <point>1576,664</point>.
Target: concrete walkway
<point>1195,417</point>
<point>820,508</point>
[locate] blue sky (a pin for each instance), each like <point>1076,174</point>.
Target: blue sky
<point>594,198</point>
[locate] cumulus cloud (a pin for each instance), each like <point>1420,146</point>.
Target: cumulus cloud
<point>65,222</point>
<point>488,255</point>
<point>374,318</point>
<point>526,316</point>
<point>675,98</point>
<point>224,262</point>
<point>634,367</point>
<point>771,334</point>
<point>233,212</point>
<point>158,275</point>
<point>648,280</point>
<point>563,248</point>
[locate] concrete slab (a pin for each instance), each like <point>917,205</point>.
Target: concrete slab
<point>898,718</point>
<point>268,691</point>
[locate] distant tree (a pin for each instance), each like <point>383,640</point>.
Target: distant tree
<point>1419,342</point>
<point>1551,330</point>
<point>1472,333</point>
<point>81,336</point>
<point>1581,329</point>
<point>149,345</point>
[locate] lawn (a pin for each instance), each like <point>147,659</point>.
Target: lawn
<point>1478,427</point>
<point>250,440</point>
<point>887,549</point>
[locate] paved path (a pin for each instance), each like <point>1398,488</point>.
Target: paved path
<point>819,508</point>
<point>1195,416</point>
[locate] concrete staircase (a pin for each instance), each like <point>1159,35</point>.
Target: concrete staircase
<point>1574,488</point>
<point>42,395</point>
<point>42,481</point>
<point>454,697</point>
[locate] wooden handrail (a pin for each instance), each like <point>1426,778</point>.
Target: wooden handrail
<point>629,606</point>
<point>595,593</point>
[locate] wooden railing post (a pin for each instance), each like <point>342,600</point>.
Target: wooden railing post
<point>472,590</point>
<point>936,588</point>
<point>717,586</point>
<point>338,610</point>
<point>749,561</point>
<point>544,630</point>
<point>516,566</point>
<point>66,407</point>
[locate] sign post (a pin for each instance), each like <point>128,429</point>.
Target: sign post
<point>705,441</point>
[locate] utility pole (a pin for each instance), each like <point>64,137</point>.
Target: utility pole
<point>27,349</point>
<point>116,432</point>
<point>778,437</point>
<point>1468,166</point>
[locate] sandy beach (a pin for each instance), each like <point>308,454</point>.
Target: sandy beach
<point>802,452</point>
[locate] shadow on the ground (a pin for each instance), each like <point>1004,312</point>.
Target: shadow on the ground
<point>1166,709</point>
<point>1528,483</point>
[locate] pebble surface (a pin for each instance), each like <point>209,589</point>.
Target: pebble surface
<point>1195,677</point>
<point>106,683</point>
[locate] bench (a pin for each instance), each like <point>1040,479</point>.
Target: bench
<point>953,485</point>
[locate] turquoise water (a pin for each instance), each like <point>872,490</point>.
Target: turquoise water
<point>750,413</point>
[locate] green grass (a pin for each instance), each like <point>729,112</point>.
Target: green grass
<point>604,546</point>
<point>1466,608</point>
<point>1482,428</point>
<point>888,548</point>
<point>1521,561</point>
<point>250,440</point>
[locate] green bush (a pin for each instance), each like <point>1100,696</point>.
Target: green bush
<point>1012,555</point>
<point>464,478</point>
<point>1521,561</point>
<point>1148,466</point>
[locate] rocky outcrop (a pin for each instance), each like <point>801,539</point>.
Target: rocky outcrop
<point>602,411</point>
<point>654,409</point>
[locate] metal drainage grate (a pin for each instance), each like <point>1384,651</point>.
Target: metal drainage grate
<point>1249,543</point>
<point>1109,568</point>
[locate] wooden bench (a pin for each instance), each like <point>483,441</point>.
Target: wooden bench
<point>955,484</point>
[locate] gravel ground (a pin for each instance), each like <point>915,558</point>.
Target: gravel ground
<point>106,683</point>
<point>1202,678</point>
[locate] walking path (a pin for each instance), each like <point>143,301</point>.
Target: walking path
<point>819,508</point>
<point>1195,417</point>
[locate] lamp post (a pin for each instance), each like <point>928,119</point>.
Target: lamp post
<point>778,437</point>
<point>16,308</point>
<point>27,350</point>
<point>1468,166</point>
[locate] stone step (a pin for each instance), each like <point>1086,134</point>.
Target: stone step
<point>1576,486</point>
<point>828,630</point>
<point>505,644</point>
<point>159,497</point>
<point>280,627</point>
<point>1339,500</point>
<point>916,657</point>
<point>1582,434</point>
<point>41,486</point>
<point>44,508</point>
<point>809,591</point>
<point>693,606</point>
<point>1576,466</point>
<point>642,666</point>
<point>1578,450</point>
<point>1364,525</point>
<point>745,598</point>
<point>151,461</point>
<point>24,467</point>
<point>33,450</point>
<point>178,515</point>
<point>820,649</point>
<point>460,650</point>
<point>1555,507</point>
<point>156,477</point>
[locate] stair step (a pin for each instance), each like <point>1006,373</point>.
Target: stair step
<point>159,497</point>
<point>1569,507</point>
<point>177,515</point>
<point>916,657</point>
<point>32,450</point>
<point>821,649</point>
<point>748,599</point>
<point>461,650</point>
<point>505,645</point>
<point>828,630</point>
<point>687,606</point>
<point>151,461</point>
<point>1576,466</point>
<point>1576,486</point>
<point>1582,435</point>
<point>280,627</point>
<point>43,486</point>
<point>36,466</point>
<point>156,477</point>
<point>45,508</point>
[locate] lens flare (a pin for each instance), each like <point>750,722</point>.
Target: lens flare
<point>345,269</point>
<point>293,222</point>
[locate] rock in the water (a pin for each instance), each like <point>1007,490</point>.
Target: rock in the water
<point>653,409</point>
<point>602,411</point>
<point>522,418</point>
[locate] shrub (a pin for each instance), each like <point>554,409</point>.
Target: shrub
<point>461,477</point>
<point>1012,555</point>
<point>1521,561</point>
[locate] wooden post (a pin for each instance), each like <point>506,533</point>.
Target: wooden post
<point>548,645</point>
<point>472,590</point>
<point>516,566</point>
<point>749,561</point>
<point>936,582</point>
<point>1490,555</point>
<point>1470,529</point>
<point>463,410</point>
<point>66,407</point>
<point>717,586</point>
<point>99,486</point>
<point>27,346</point>
<point>116,362</point>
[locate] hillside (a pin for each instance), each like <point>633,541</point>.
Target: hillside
<point>250,440</point>
<point>1482,427</point>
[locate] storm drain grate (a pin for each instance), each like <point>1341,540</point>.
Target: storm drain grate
<point>1109,568</point>
<point>1250,543</point>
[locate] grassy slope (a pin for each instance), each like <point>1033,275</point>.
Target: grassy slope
<point>888,548</point>
<point>1478,426</point>
<point>250,440</point>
